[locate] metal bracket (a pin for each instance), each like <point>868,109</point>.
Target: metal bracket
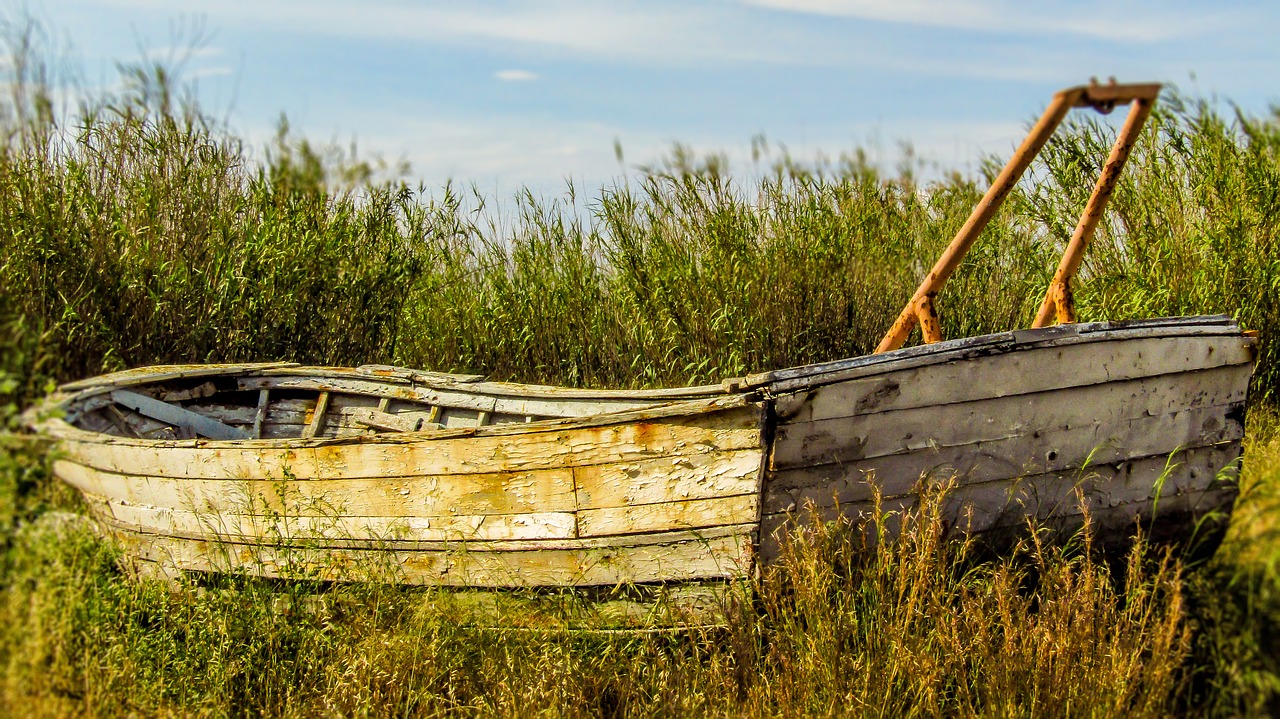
<point>1057,304</point>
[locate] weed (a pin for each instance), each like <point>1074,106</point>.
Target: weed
<point>136,230</point>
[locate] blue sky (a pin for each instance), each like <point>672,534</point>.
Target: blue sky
<point>505,94</point>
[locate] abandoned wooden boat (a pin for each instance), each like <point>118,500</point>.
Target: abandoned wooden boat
<point>283,470</point>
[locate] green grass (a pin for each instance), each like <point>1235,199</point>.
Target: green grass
<point>136,230</point>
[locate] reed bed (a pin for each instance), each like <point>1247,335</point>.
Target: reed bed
<point>134,229</point>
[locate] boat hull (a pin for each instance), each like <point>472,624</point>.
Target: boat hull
<point>1130,424</point>
<point>1134,425</point>
<point>647,498</point>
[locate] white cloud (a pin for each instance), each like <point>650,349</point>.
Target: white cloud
<point>170,53</point>
<point>202,72</point>
<point>515,75</point>
<point>891,51</point>
<point>666,33</point>
<point>1116,20</point>
<point>659,32</point>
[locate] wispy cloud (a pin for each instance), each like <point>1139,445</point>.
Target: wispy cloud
<point>817,33</point>
<point>663,31</point>
<point>706,72</point>
<point>181,52</point>
<point>515,75</point>
<point>215,71</point>
<point>1114,20</point>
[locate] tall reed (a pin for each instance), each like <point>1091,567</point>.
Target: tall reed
<point>142,233</point>
<point>137,230</point>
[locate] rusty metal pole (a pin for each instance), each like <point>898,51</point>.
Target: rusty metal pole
<point>1058,304</point>
<point>920,309</point>
<point>921,304</point>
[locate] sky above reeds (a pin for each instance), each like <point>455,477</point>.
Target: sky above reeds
<point>504,94</point>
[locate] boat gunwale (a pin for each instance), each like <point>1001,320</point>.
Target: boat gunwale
<point>59,429</point>
<point>745,391</point>
<point>794,379</point>
<point>374,373</point>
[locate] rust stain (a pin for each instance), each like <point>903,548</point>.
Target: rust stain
<point>645,434</point>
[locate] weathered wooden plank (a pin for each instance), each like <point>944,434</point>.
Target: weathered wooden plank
<point>484,397</point>
<point>279,411</point>
<point>391,544</point>
<point>119,422</point>
<point>80,409</point>
<point>506,545</point>
<point>532,390</point>
<point>648,396</point>
<point>385,420</point>
<point>166,373</point>
<point>41,419</point>
<point>851,438</point>
<point>665,479</point>
<point>260,414</point>
<point>800,378</point>
<point>1007,503</point>
<point>687,559</point>
<point>607,487</point>
<point>408,374</point>
<point>369,387</point>
<point>347,423</point>
<point>1017,455</point>
<point>276,528</point>
<point>500,418</point>
<point>1187,519</point>
<point>1178,517</point>
<point>342,411</point>
<point>298,415</point>
<point>1224,361</point>
<point>384,405</point>
<point>687,514</point>
<point>271,430</point>
<point>1155,480</point>
<point>143,426</point>
<point>200,391</point>
<point>508,447</point>
<point>176,416</point>
<point>455,418</point>
<point>96,422</point>
<point>1210,321</point>
<point>411,375</point>
<point>548,490</point>
<point>567,407</point>
<point>1053,493</point>
<point>317,416</point>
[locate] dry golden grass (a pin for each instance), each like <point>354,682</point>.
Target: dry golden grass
<point>139,231</point>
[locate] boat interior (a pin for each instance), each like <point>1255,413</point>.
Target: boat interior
<point>283,400</point>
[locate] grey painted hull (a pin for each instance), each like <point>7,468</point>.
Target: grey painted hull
<point>1132,424</point>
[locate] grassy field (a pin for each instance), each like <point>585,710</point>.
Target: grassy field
<point>136,230</point>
